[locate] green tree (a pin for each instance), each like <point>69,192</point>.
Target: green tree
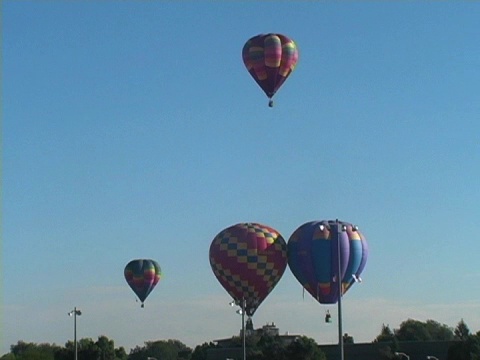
<point>386,353</point>
<point>161,349</point>
<point>105,348</point>
<point>347,339</point>
<point>304,348</point>
<point>120,353</point>
<point>468,349</point>
<point>461,332</point>
<point>388,338</point>
<point>439,332</point>
<point>272,347</point>
<point>31,351</point>
<point>87,349</point>
<point>414,330</point>
<point>8,356</point>
<point>200,351</point>
<point>386,334</point>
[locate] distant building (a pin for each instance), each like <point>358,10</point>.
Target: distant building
<point>267,329</point>
<point>228,348</point>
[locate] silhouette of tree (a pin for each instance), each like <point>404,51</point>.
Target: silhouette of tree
<point>386,334</point>
<point>461,332</point>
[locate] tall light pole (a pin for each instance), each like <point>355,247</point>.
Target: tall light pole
<point>74,313</point>
<point>243,330</point>
<point>339,284</point>
<point>241,311</point>
<point>340,228</point>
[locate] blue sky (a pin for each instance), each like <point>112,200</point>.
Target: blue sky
<point>132,130</point>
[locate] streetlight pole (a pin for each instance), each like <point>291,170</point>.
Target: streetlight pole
<point>74,313</point>
<point>243,304</point>
<point>340,227</point>
<point>339,284</point>
<point>243,330</point>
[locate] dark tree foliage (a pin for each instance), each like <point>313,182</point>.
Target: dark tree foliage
<point>88,349</point>
<point>461,332</point>
<point>414,330</point>
<point>439,331</point>
<point>31,351</point>
<point>102,349</point>
<point>8,356</point>
<point>386,353</point>
<point>161,349</point>
<point>251,341</point>
<point>390,342</point>
<point>200,351</point>
<point>467,349</point>
<point>386,334</point>
<point>304,348</point>
<point>120,353</point>
<point>272,347</point>
<point>347,339</point>
<point>105,348</point>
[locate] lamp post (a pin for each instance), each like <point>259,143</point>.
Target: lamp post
<point>241,311</point>
<point>339,284</point>
<point>338,278</point>
<point>340,228</point>
<point>74,313</point>
<point>402,354</point>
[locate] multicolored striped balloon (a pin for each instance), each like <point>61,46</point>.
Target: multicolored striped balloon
<point>248,260</point>
<point>142,275</point>
<point>313,257</point>
<point>270,59</point>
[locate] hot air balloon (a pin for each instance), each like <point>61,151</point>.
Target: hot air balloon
<point>270,59</point>
<point>248,260</point>
<point>142,275</point>
<point>313,254</point>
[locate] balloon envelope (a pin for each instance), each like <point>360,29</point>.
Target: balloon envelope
<point>270,59</point>
<point>313,254</point>
<point>142,275</point>
<point>248,259</point>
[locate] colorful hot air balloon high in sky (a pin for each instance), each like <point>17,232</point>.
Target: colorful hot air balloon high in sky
<point>142,275</point>
<point>270,59</point>
<point>248,259</point>
<point>313,257</point>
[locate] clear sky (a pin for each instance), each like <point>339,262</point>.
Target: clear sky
<point>131,129</point>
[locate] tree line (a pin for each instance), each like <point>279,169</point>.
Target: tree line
<point>466,346</point>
